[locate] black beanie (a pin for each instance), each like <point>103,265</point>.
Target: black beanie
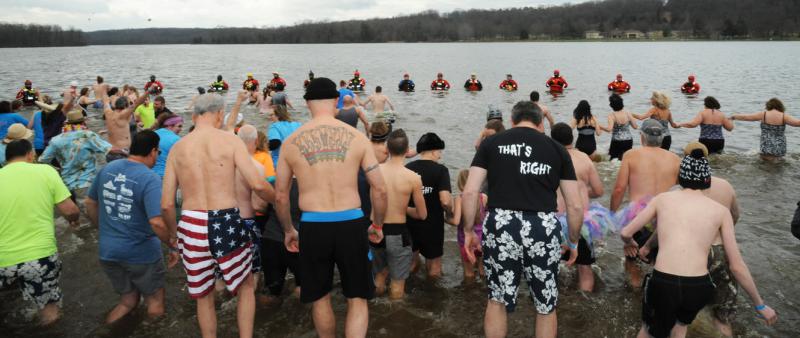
<point>429,141</point>
<point>321,88</point>
<point>695,173</point>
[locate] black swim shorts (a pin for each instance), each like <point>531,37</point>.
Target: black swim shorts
<point>585,253</point>
<point>669,299</point>
<point>331,240</point>
<point>427,238</point>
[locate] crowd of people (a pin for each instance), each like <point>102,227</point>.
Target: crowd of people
<point>230,202</point>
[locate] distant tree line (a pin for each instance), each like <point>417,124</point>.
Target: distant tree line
<point>19,35</point>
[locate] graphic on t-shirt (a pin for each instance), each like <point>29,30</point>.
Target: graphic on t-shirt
<point>125,191</point>
<point>525,167</point>
<point>427,190</point>
<point>118,194</point>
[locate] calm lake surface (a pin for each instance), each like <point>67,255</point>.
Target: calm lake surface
<point>741,75</point>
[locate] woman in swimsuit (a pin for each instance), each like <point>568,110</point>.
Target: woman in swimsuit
<point>619,124</point>
<point>711,122</point>
<point>661,113</point>
<point>773,126</point>
<point>84,101</point>
<point>586,124</point>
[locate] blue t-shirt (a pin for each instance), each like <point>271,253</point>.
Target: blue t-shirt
<point>280,131</point>
<point>342,93</point>
<point>7,119</point>
<point>167,139</point>
<point>38,132</point>
<point>128,195</point>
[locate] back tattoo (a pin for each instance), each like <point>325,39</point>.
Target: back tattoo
<point>324,143</point>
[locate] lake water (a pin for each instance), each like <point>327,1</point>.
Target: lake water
<point>741,75</point>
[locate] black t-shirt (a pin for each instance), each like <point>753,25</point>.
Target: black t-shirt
<point>524,169</point>
<point>435,178</point>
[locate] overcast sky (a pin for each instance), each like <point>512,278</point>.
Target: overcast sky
<point>90,15</point>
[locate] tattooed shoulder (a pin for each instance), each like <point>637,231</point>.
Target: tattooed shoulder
<point>324,143</point>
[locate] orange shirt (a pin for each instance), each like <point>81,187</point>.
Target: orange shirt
<point>265,159</point>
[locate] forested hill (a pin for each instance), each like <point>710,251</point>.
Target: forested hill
<point>18,35</point>
<point>685,19</point>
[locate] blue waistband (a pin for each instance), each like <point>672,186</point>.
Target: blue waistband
<point>331,216</point>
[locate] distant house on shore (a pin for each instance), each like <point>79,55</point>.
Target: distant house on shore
<point>591,35</point>
<point>655,34</point>
<point>681,34</point>
<point>633,34</point>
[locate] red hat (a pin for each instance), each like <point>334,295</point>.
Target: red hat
<point>357,73</point>
<point>556,72</point>
<point>691,77</point>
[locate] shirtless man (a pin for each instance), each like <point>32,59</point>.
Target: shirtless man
<point>325,155</point>
<point>589,186</point>
<point>99,89</point>
<point>392,258</point>
<point>723,305</point>
<point>203,164</point>
<point>688,224</point>
<point>249,202</point>
<point>545,110</point>
<point>379,101</point>
<point>118,119</point>
<point>644,173</point>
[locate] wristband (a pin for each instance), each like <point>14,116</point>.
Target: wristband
<point>761,307</point>
<point>572,246</point>
<point>376,227</point>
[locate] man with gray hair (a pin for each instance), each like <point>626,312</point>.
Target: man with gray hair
<point>211,235</point>
<point>522,235</point>
<point>249,202</point>
<point>118,119</point>
<point>644,173</point>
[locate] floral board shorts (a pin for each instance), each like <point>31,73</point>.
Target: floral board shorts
<point>520,244</point>
<point>38,279</point>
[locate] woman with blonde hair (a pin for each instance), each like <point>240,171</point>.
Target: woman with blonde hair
<point>661,113</point>
<point>455,219</point>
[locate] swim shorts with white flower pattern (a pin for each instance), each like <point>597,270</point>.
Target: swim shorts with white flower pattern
<point>38,279</point>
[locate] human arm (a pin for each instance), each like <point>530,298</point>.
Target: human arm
<point>283,185</point>
<point>391,106</point>
<point>455,218</point>
<point>69,210</point>
<point>420,210</point>
<point>469,207</point>
<point>632,121</point>
<point>748,117</point>
<point>734,209</point>
<point>671,122</point>
<point>549,117</point>
<point>231,122</point>
<point>378,195</point>
<point>610,127</point>
<point>740,271</point>
<point>363,118</point>
<point>694,122</point>
<point>790,120</point>
<point>727,123</point>
<point>289,104</point>
<point>643,116</point>
<point>574,206</point>
<point>595,184</point>
<point>91,210</point>
<point>597,128</point>
<point>621,185</point>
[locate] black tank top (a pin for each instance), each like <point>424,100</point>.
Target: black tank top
<point>349,116</point>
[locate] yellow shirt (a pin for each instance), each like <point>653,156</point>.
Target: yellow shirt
<point>29,194</point>
<point>147,114</point>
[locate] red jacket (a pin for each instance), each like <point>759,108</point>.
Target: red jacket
<point>157,85</point>
<point>440,85</point>
<point>508,85</point>
<point>619,86</point>
<point>557,84</point>
<point>690,88</point>
<point>275,81</point>
<point>250,84</point>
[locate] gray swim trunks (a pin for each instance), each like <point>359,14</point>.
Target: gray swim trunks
<point>393,252</point>
<point>144,278</point>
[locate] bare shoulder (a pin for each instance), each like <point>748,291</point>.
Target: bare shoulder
<point>722,184</point>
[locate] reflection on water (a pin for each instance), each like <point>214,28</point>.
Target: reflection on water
<point>738,74</point>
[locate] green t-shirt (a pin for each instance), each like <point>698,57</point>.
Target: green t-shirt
<point>146,113</point>
<point>29,194</point>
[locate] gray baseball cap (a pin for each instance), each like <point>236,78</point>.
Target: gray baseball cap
<point>652,127</point>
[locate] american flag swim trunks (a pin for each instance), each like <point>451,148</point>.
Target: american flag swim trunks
<point>214,240</point>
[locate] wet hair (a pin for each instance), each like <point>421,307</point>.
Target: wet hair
<point>526,111</point>
<point>711,103</point>
<point>208,103</point>
<point>397,144</point>
<point>775,104</point>
<point>113,91</point>
<point>121,103</point>
<point>100,79</point>
<point>84,91</point>
<point>46,99</point>
<point>496,125</point>
<point>5,107</point>
<point>534,96</point>
<point>161,99</point>
<point>342,83</point>
<point>379,128</point>
<point>562,133</point>
<point>463,175</point>
<point>282,113</point>
<point>219,77</point>
<point>378,89</point>
<point>661,100</point>
<point>18,148</point>
<point>583,112</point>
<point>261,142</point>
<point>201,90</point>
<point>144,142</point>
<point>615,102</point>
<point>16,104</point>
<point>279,86</point>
